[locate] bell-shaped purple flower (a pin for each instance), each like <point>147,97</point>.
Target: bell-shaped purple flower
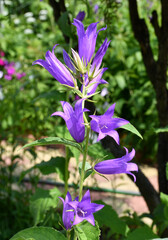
<point>68,212</point>
<point>74,119</point>
<point>118,165</point>
<point>86,39</point>
<point>105,124</point>
<point>56,68</point>
<point>84,209</point>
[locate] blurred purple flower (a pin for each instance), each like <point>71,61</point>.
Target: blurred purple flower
<point>68,212</point>
<point>80,16</point>
<point>74,119</point>
<point>20,75</point>
<point>86,39</point>
<point>118,165</point>
<point>56,68</point>
<point>84,209</point>
<point>2,63</point>
<point>8,77</point>
<point>2,54</point>
<point>96,8</point>
<point>105,124</point>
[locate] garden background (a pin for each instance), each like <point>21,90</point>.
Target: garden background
<point>30,178</point>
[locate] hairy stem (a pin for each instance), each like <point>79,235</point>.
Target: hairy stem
<point>83,164</point>
<point>66,169</point>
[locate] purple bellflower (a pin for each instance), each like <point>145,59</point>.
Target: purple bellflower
<point>84,209</point>
<point>74,119</point>
<point>68,212</point>
<point>118,165</point>
<point>56,69</point>
<point>106,125</point>
<point>86,39</point>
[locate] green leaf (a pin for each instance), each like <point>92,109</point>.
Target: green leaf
<point>53,140</point>
<point>42,201</point>
<point>159,130</point>
<point>137,234</point>
<point>54,165</point>
<point>96,151</point>
<point>38,233</point>
<point>88,169</point>
<point>131,128</point>
<point>86,231</point>
<point>108,217</point>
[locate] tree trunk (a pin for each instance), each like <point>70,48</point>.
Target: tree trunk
<point>157,73</point>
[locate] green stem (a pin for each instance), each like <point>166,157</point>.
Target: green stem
<point>83,164</point>
<point>66,169</point>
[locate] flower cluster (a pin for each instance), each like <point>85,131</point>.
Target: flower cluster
<point>9,69</point>
<point>76,211</point>
<point>82,72</point>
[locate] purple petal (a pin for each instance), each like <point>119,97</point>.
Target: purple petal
<point>111,167</point>
<point>56,68</point>
<point>94,126</point>
<point>101,136</point>
<point>114,134</point>
<point>68,61</point>
<point>100,54</point>
<point>60,114</point>
<point>86,197</point>
<point>90,219</point>
<point>68,109</point>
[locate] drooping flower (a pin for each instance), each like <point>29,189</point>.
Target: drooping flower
<point>84,209</point>
<point>80,16</point>
<point>68,212</point>
<point>56,69</point>
<point>118,165</point>
<point>86,39</point>
<point>105,124</point>
<point>74,119</point>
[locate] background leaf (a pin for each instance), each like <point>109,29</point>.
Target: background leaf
<point>42,201</point>
<point>39,233</point>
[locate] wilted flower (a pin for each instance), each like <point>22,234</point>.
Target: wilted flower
<point>84,209</point>
<point>68,212</point>
<point>105,124</point>
<point>74,119</point>
<point>118,165</point>
<point>56,69</point>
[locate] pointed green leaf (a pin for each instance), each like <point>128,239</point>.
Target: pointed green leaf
<point>86,231</point>
<point>38,233</point>
<point>137,234</point>
<point>42,201</point>
<point>53,140</point>
<point>88,169</point>
<point>131,128</point>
